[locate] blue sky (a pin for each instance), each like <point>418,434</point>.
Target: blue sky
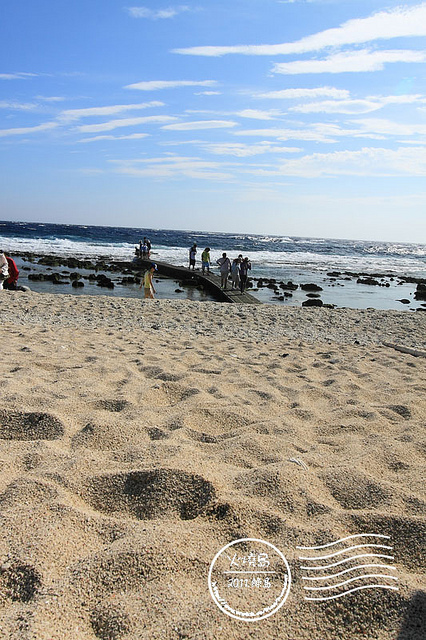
<point>295,117</point>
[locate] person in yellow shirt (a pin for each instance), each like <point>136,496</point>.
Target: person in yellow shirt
<point>146,281</point>
<point>205,260</point>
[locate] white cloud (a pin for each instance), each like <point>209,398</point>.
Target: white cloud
<point>291,134</point>
<point>201,124</point>
<point>76,114</point>
<point>17,76</point>
<point>17,106</point>
<point>174,167</point>
<point>295,94</point>
<point>366,162</point>
<point>132,136</point>
<point>124,122</point>
<point>355,106</point>
<point>50,98</point>
<point>256,114</point>
<point>156,85</point>
<point>400,22</point>
<point>357,61</point>
<point>208,93</point>
<point>390,127</point>
<point>241,150</point>
<point>19,131</point>
<point>338,106</point>
<point>158,14</point>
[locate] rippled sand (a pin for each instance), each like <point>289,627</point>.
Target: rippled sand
<point>138,438</point>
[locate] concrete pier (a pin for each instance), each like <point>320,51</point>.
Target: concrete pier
<point>209,281</point>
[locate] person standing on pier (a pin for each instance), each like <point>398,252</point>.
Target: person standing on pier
<point>235,273</point>
<point>192,254</point>
<point>225,267</point>
<point>205,260</point>
<point>245,266</point>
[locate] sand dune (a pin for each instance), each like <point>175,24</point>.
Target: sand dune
<point>138,438</point>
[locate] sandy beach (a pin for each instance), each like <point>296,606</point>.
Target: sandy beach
<point>138,438</point>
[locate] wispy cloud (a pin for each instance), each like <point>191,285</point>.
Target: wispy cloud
<point>400,22</point>
<point>19,131</point>
<point>241,150</point>
<point>76,114</point>
<point>18,106</point>
<point>355,106</point>
<point>257,114</point>
<point>17,76</point>
<point>201,124</point>
<point>123,122</point>
<point>356,61</point>
<point>295,94</point>
<point>366,162</point>
<point>174,167</point>
<point>328,135</point>
<point>50,98</point>
<point>132,136</point>
<point>156,14</point>
<point>156,85</point>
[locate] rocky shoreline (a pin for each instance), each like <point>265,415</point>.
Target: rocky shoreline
<point>107,273</point>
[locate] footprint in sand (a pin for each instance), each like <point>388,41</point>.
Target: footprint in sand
<point>19,425</point>
<point>145,495</point>
<point>19,582</point>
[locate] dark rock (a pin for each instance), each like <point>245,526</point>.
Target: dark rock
<point>313,295</point>
<point>104,281</point>
<point>289,286</point>
<point>420,292</point>
<point>178,290</point>
<point>312,303</point>
<point>310,287</point>
<point>404,301</point>
<point>77,284</point>
<point>369,280</point>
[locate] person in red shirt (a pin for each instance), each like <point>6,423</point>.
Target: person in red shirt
<point>11,281</point>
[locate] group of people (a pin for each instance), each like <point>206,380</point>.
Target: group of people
<point>238,269</point>
<point>144,249</point>
<point>9,272</point>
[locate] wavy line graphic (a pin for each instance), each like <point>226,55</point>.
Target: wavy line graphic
<point>328,577</point>
<point>342,584</point>
<point>335,564</point>
<point>357,535</point>
<point>359,566</point>
<point>339,553</point>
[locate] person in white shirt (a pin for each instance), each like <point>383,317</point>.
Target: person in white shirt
<point>225,267</point>
<point>4,269</point>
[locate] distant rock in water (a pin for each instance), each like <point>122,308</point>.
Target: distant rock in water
<point>420,292</point>
<point>312,302</point>
<point>371,281</point>
<point>289,286</point>
<point>310,287</point>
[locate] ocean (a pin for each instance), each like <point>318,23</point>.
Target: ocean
<point>283,258</point>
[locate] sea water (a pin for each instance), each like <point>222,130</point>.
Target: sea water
<point>285,258</point>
